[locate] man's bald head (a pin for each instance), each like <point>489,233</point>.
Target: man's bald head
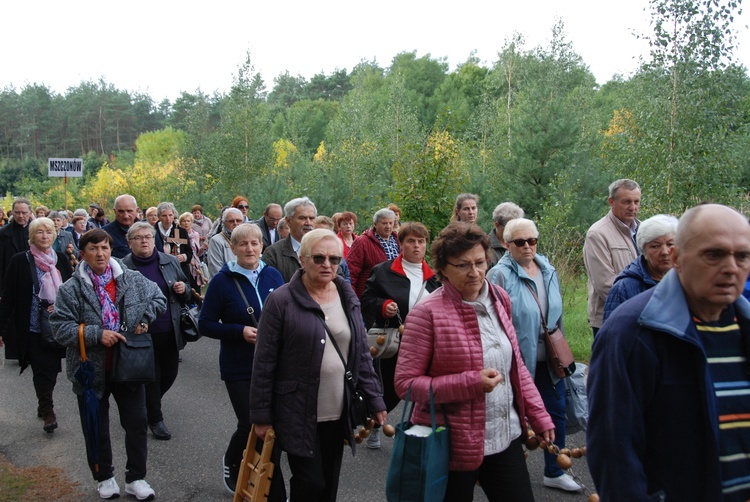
<point>712,258</point>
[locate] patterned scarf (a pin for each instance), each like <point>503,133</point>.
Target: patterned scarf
<point>110,316</point>
<point>51,279</point>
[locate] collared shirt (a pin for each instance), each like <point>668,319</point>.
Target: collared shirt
<point>252,275</point>
<point>390,246</point>
<point>295,245</point>
<point>633,227</point>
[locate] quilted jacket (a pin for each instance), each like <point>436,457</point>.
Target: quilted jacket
<point>442,346</point>
<point>365,253</point>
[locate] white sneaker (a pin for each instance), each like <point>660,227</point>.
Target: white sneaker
<point>108,489</point>
<point>140,489</point>
<point>564,482</point>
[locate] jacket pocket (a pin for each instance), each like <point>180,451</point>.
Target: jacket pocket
<point>285,386</point>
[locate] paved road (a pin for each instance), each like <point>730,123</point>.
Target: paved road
<point>188,467</point>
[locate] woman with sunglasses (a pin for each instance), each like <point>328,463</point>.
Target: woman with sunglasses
<point>231,309</point>
<point>310,335</point>
<point>534,290</point>
<point>460,343</point>
<point>243,205</point>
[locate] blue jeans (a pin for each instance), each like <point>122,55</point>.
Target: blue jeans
<point>554,400</point>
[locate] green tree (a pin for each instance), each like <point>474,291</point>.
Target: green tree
<point>421,78</point>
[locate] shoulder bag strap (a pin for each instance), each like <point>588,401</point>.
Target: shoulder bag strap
<point>249,309</point>
<point>536,298</point>
<point>347,372</point>
<point>34,277</point>
<point>421,292</point>
<point>123,318</point>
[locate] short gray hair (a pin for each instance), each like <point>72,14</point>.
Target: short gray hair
<point>230,210</point>
<point>319,234</point>
<point>622,183</point>
<point>166,206</point>
<point>383,213</point>
<point>54,214</point>
<point>246,230</point>
<point>653,228</point>
<point>137,227</point>
<point>517,224</point>
<point>293,204</point>
<point>80,212</point>
<point>505,212</point>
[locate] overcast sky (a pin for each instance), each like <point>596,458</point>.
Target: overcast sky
<point>164,47</point>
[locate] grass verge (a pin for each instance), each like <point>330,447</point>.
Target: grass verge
<point>35,483</point>
<point>575,317</point>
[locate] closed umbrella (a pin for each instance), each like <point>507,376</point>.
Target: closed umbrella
<point>90,403</point>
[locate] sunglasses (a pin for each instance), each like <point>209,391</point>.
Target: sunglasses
<point>520,242</point>
<point>320,259</point>
<point>243,206</point>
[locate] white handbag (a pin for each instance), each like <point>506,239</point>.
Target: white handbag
<point>384,342</point>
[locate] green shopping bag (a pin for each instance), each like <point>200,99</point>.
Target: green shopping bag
<point>419,464</point>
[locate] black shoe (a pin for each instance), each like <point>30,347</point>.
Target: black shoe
<point>230,482</point>
<point>50,424</point>
<point>160,431</point>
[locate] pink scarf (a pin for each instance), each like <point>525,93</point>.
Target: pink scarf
<point>51,279</point>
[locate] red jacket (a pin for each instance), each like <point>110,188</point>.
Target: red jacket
<point>442,346</point>
<point>365,252</point>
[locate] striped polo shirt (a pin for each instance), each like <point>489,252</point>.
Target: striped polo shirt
<point>727,365</point>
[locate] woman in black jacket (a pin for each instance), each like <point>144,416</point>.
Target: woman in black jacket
<point>31,284</point>
<point>310,335</point>
<point>392,289</point>
<point>165,271</point>
<point>172,238</point>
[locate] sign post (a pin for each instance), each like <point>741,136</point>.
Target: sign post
<point>62,168</point>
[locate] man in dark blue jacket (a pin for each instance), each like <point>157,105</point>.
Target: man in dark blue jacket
<point>126,213</point>
<point>669,395</point>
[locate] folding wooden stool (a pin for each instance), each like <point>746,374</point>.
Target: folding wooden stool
<point>256,471</point>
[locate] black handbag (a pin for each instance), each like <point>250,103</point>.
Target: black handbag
<point>133,359</point>
<point>45,328</point>
<point>359,412</point>
<point>189,323</point>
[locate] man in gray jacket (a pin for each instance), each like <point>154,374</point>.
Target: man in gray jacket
<point>610,245</point>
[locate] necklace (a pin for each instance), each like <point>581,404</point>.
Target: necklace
<point>323,298</point>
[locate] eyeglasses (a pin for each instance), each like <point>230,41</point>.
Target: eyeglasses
<point>520,242</point>
<point>233,221</point>
<point>243,206</point>
<point>717,256</point>
<point>140,238</point>
<point>466,267</point>
<point>320,259</point>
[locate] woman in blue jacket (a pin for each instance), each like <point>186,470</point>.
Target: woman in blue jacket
<point>655,240</point>
<point>231,310</point>
<point>520,271</point>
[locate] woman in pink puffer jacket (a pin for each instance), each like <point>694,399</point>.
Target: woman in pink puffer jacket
<point>460,340</point>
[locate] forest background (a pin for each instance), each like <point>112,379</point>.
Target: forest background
<point>533,127</point>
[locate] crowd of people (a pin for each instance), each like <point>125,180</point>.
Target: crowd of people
<point>290,297</point>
